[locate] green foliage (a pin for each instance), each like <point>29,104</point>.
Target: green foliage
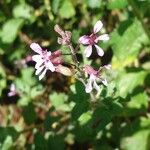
<point>56,113</point>
<point>66,5</point>
<point>10,30</point>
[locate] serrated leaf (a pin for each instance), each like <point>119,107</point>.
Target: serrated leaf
<point>10,30</point>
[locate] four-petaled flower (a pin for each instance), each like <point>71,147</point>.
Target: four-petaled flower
<point>94,77</point>
<point>45,60</point>
<point>92,40</point>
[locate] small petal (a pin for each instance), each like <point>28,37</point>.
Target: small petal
<point>88,87</point>
<point>104,81</point>
<point>36,47</point>
<point>43,74</point>
<point>36,58</point>
<point>84,40</point>
<point>88,51</point>
<point>108,67</point>
<point>50,66</point>
<point>88,69</point>
<point>39,70</point>
<point>100,51</point>
<point>104,37</point>
<point>39,63</point>
<point>97,26</point>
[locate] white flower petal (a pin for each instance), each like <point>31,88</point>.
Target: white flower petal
<point>88,87</point>
<point>39,63</point>
<point>50,66</point>
<point>104,37</point>
<point>97,26</point>
<point>100,51</point>
<point>88,51</point>
<point>84,40</point>
<point>36,57</point>
<point>43,74</point>
<point>104,81</point>
<point>39,70</point>
<point>36,47</point>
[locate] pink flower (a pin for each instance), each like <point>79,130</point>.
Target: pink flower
<point>92,40</point>
<point>65,35</point>
<point>12,91</point>
<point>45,60</point>
<point>94,77</point>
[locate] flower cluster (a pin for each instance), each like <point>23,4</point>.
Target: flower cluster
<point>53,61</point>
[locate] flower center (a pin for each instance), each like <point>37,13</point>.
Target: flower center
<point>92,39</point>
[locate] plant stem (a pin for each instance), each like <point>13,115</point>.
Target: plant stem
<point>139,17</point>
<point>74,57</point>
<point>82,79</point>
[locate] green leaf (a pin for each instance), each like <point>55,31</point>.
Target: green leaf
<point>138,137</point>
<point>137,105</point>
<point>59,101</point>
<point>117,4</point>
<point>29,114</point>
<point>56,5</point>
<point>2,79</point>
<point>85,117</point>
<point>129,81</point>
<point>8,143</point>
<point>67,9</point>
<point>10,30</point>
<point>5,131</point>
<point>56,142</point>
<point>127,42</point>
<point>23,11</point>
<point>94,3</point>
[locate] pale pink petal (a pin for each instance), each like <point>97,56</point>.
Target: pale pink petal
<point>84,40</point>
<point>39,70</point>
<point>100,51</point>
<point>12,87</point>
<point>88,69</point>
<point>88,51</point>
<point>96,86</point>
<point>104,37</point>
<point>36,47</point>
<point>88,87</point>
<point>97,26</point>
<point>50,66</point>
<point>49,53</point>
<point>39,63</point>
<point>43,74</point>
<point>107,66</point>
<point>36,57</point>
<point>104,81</point>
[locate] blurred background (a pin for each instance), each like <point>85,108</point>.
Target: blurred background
<point>56,113</point>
